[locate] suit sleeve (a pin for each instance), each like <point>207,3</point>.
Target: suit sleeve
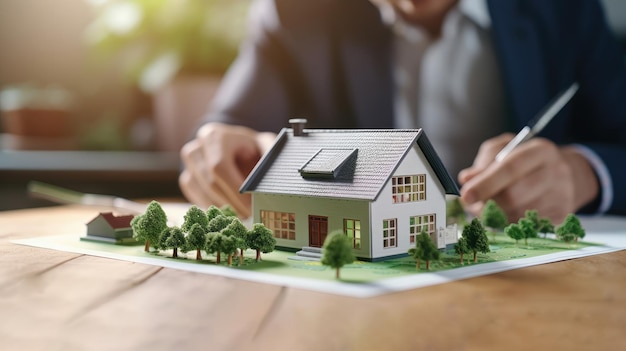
<point>601,121</point>
<point>256,90</point>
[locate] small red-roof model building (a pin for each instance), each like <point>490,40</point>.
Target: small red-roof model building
<point>109,228</point>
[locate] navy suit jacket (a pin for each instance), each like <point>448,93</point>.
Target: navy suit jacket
<point>330,61</point>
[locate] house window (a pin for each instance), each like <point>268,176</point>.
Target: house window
<point>282,224</point>
<point>390,232</point>
<point>352,228</point>
<point>408,188</point>
<point>419,223</point>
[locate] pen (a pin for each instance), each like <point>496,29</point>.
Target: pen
<point>540,121</point>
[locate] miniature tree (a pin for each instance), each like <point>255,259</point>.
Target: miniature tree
<point>533,216</point>
<point>424,249</point>
<point>229,247</point>
<point>149,226</point>
<point>214,244</point>
<point>337,251</point>
<point>239,232</point>
<point>476,238</point>
<point>196,239</point>
<point>455,213</point>
<point>493,217</point>
<point>571,229</point>
<point>528,228</point>
<point>260,238</point>
<point>514,231</point>
<point>218,223</point>
<point>417,252</point>
<point>228,211</point>
<point>194,216</point>
<point>545,226</point>
<point>212,212</point>
<point>175,240</point>
<point>165,234</point>
<point>460,248</point>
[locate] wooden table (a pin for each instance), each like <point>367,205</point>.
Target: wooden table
<point>53,300</point>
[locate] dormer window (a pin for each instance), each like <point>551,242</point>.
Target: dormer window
<point>409,188</point>
<point>328,163</point>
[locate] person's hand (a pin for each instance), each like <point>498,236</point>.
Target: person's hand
<point>217,162</point>
<point>536,175</point>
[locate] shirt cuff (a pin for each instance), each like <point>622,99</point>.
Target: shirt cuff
<point>604,177</point>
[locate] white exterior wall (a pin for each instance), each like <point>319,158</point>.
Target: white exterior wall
<point>383,208</point>
<point>335,209</point>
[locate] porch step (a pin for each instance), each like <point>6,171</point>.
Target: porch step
<point>309,252</point>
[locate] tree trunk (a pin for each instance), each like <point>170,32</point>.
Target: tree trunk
<point>230,260</point>
<point>462,262</point>
<point>147,247</point>
<point>198,255</point>
<point>526,241</point>
<point>427,265</point>
<point>337,273</point>
<point>475,257</point>
<point>258,255</point>
<point>241,258</point>
<point>219,257</point>
<point>175,252</point>
<point>417,265</point>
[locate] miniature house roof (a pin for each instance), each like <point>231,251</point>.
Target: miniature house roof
<point>116,222</point>
<point>340,163</point>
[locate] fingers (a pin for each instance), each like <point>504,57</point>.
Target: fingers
<point>534,176</point>
<point>486,155</point>
<point>217,162</point>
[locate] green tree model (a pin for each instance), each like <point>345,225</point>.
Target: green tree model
<point>239,232</point>
<point>514,231</point>
<point>455,213</point>
<point>175,240</point>
<point>460,248</point>
<point>571,229</point>
<point>260,238</point>
<point>229,247</point>
<point>476,238</point>
<point>533,216</point>
<point>228,211</point>
<point>528,228</point>
<point>149,226</point>
<point>545,226</point>
<point>214,244</point>
<point>218,223</point>
<point>424,249</point>
<point>196,239</point>
<point>165,234</point>
<point>493,217</point>
<point>194,216</point>
<point>213,212</point>
<point>337,251</point>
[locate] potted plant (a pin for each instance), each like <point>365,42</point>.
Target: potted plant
<point>175,50</point>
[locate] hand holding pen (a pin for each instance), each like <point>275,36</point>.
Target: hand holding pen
<point>521,172</point>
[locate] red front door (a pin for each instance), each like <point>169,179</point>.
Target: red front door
<point>318,229</point>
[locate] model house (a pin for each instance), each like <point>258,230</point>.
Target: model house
<point>107,227</point>
<point>380,187</point>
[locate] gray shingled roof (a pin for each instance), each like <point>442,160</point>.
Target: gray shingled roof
<point>379,152</point>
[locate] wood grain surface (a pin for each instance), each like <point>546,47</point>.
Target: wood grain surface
<point>52,300</point>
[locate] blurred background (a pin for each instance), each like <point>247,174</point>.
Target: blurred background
<point>99,95</point>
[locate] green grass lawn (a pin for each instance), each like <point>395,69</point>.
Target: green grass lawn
<point>279,262</point>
